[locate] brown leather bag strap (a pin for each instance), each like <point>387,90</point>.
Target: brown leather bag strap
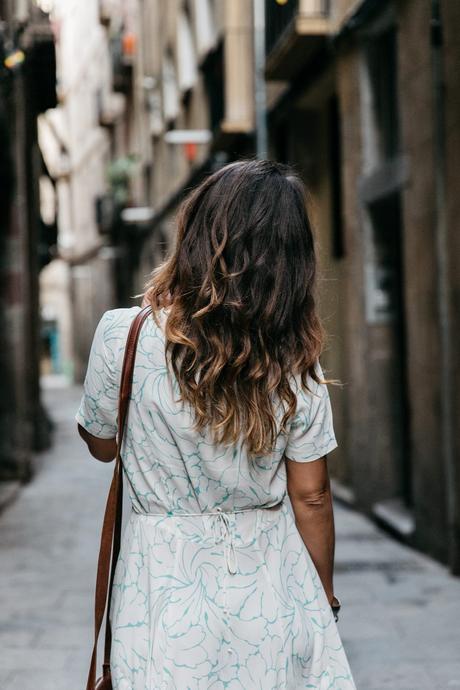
<point>111,528</point>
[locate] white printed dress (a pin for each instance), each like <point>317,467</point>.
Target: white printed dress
<point>214,588</point>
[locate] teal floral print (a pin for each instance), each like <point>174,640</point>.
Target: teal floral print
<point>214,587</point>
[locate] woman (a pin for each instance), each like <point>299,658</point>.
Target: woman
<point>218,584</point>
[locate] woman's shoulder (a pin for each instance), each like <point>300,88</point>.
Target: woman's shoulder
<point>122,318</point>
<point>112,330</point>
<point>314,388</point>
<point>119,318</point>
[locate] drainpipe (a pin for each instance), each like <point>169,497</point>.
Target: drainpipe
<point>442,265</point>
<point>260,96</point>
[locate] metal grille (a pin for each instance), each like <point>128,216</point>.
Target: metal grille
<point>279,16</point>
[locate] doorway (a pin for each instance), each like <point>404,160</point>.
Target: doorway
<point>387,349</point>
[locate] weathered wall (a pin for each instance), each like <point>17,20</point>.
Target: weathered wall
<point>415,86</point>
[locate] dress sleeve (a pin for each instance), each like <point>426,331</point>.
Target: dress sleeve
<point>98,409</point>
<point>311,434</point>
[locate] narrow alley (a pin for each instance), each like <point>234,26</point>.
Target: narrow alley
<point>400,609</point>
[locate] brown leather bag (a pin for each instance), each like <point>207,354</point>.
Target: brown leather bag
<point>111,528</point>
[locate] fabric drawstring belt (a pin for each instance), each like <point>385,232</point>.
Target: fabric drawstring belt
<point>226,532</point>
<point>227,535</point>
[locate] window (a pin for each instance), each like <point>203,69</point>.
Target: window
<point>335,167</point>
<point>170,90</point>
<point>381,57</point>
<point>186,58</point>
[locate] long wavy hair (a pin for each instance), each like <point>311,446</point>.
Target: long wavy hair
<point>239,293</point>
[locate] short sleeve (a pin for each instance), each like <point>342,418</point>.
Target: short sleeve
<point>98,409</point>
<point>311,434</point>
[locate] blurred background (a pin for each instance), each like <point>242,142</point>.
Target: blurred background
<point>110,111</point>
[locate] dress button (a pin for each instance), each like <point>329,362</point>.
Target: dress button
<point>230,650</point>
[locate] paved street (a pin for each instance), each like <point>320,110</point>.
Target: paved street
<point>400,622</point>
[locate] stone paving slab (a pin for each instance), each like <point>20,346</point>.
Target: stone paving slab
<point>48,549</point>
<point>401,613</point>
<point>401,610</point>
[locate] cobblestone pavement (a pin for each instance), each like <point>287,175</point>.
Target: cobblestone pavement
<point>401,611</point>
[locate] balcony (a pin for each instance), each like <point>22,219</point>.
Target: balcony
<point>293,33</point>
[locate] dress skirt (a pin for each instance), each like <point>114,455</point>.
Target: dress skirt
<point>222,601</point>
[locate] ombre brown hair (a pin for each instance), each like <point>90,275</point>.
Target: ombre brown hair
<point>240,292</point>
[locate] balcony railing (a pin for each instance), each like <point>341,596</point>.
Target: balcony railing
<point>288,21</point>
<point>277,18</point>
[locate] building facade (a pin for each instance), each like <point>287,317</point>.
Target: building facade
<point>193,106</point>
<point>85,140</point>
<point>371,98</point>
<point>130,77</point>
<point>27,88</point>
